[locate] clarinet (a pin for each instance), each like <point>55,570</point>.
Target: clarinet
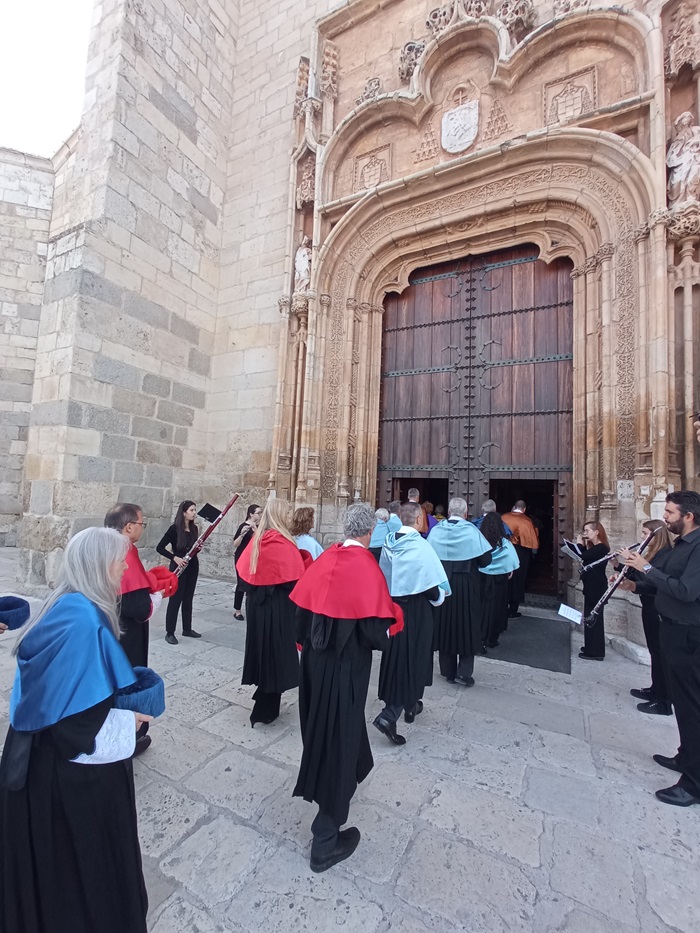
<point>199,543</point>
<point>599,606</point>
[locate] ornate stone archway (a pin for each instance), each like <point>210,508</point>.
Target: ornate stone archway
<point>577,193</point>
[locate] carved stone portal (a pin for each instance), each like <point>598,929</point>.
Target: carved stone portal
<point>683,162</point>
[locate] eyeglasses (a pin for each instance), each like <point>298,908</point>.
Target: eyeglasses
<point>143,524</point>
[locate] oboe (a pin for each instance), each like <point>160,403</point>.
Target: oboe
<point>595,612</point>
<point>199,543</point>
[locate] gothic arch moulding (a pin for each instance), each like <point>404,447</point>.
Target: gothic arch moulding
<point>577,192</point>
<point>513,94</point>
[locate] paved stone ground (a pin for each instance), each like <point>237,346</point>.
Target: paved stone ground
<point>523,805</point>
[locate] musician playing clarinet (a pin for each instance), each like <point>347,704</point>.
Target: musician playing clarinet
<point>595,547</point>
<point>181,535</point>
<point>675,578</point>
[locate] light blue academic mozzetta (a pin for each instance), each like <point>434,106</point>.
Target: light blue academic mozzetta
<point>410,565</point>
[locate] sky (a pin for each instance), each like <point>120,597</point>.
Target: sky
<point>43,53</point>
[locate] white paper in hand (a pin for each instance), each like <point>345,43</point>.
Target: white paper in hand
<point>573,615</point>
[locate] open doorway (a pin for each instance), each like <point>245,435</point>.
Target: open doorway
<point>430,489</point>
<point>539,495</point>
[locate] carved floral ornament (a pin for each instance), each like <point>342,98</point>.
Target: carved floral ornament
<point>408,59</point>
<point>682,45</point>
<point>518,16</point>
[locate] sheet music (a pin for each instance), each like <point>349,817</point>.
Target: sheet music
<point>573,615</point>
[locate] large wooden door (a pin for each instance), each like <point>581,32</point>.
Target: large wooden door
<point>477,380</point>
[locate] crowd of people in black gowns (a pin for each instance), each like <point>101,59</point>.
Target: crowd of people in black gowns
<point>83,695</point>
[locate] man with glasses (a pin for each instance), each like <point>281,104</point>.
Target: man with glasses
<point>137,602</point>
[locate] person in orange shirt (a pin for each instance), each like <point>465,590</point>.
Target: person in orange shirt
<point>526,542</point>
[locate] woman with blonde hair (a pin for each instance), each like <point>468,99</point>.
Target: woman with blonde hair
<point>69,847</point>
<point>271,565</point>
<point>302,524</point>
<point>656,698</point>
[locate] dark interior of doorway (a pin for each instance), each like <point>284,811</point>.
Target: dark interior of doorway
<point>431,490</point>
<point>538,494</point>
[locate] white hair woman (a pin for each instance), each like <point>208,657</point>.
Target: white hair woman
<point>270,566</point>
<point>69,849</point>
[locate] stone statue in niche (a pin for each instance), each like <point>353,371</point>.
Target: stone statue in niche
<point>683,162</point>
<point>302,266</point>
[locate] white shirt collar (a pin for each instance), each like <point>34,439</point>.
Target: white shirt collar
<point>350,542</point>
<point>405,530</point>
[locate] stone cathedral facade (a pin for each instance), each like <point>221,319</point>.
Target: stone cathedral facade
<point>320,250</point>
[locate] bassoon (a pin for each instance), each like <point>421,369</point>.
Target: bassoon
<point>199,543</point>
<point>598,608</point>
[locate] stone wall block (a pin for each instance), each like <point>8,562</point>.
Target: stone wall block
<point>175,414</point>
<point>186,395</point>
<point>150,500</point>
<point>147,311</point>
<point>95,469</point>
<point>159,476</point>
<point>185,121</point>
<point>101,289</point>
<point>135,403</point>
<point>117,447</point>
<point>181,437</point>
<point>58,412</point>
<point>61,286</point>
<point>152,430</point>
<point>148,452</point>
<point>157,385</point>
<point>120,210</point>
<point>203,205</point>
<point>182,328</point>
<point>113,371</point>
<point>199,362</point>
<point>129,473</point>
<point>105,419</point>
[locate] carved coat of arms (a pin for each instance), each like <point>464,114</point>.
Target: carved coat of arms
<point>460,126</point>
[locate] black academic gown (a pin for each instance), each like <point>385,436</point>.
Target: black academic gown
<point>459,620</point>
<point>271,659</point>
<point>407,663</point>
<point>134,612</point>
<point>69,851</point>
<point>336,662</point>
<point>495,605</point>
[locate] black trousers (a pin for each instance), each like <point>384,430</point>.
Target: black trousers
<point>651,622</point>
<point>680,650</point>
<point>183,597</point>
<point>238,598</point>
<point>325,835</point>
<point>516,587</point>
<point>450,666</point>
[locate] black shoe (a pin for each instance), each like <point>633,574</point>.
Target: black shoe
<point>464,681</point>
<point>677,796</point>
<point>238,616</point>
<point>493,644</point>
<point>656,708</point>
<point>265,722</point>
<point>191,634</point>
<point>643,694</point>
<point>670,763</point>
<point>450,680</point>
<point>141,745</point>
<point>591,657</point>
<point>389,730</point>
<point>416,711</point>
<point>515,615</point>
<point>171,640</point>
<point>348,840</point>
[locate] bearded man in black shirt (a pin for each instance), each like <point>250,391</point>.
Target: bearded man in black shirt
<point>675,579</point>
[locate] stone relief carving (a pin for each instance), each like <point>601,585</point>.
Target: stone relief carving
<point>498,123</point>
<point>302,266</point>
<point>562,7</point>
<point>328,84</point>
<point>372,90</point>
<point>306,188</point>
<point>570,97</point>
<point>302,91</point>
<point>684,221</point>
<point>372,168</point>
<point>475,8</point>
<point>460,125</point>
<point>408,59</point>
<point>683,39</point>
<point>439,19</point>
<point>518,16</point>
<point>428,149</point>
<point>683,161</point>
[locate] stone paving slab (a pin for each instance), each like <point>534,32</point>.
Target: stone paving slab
<point>522,805</point>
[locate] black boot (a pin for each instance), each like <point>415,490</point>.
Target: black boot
<point>348,840</point>
<point>389,730</point>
